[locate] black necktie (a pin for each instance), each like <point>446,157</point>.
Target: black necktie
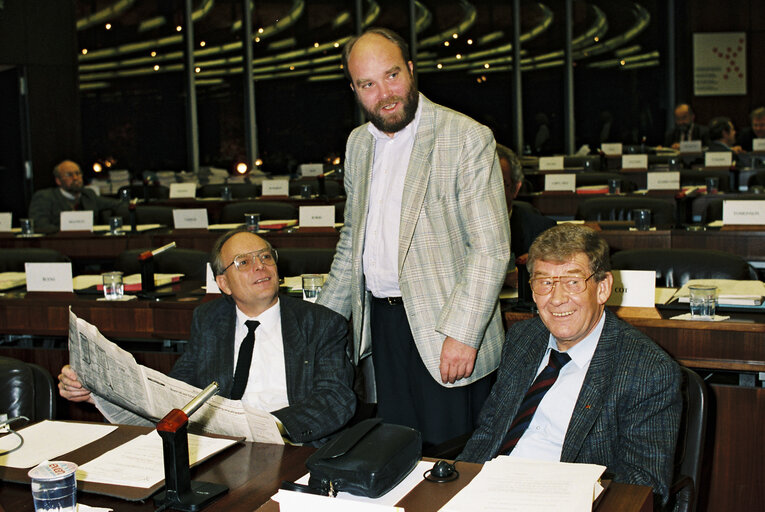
<point>243,361</point>
<point>533,397</point>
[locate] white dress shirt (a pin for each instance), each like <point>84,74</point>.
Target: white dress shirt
<point>267,381</point>
<point>386,188</point>
<point>543,440</point>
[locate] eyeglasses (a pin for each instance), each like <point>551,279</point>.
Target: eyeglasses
<point>243,262</point>
<point>571,284</point>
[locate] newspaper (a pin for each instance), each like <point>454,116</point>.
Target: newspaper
<point>112,374</point>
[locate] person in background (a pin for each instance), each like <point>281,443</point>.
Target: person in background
<point>756,129</point>
<point>576,384</point>
<point>723,136</point>
<point>686,128</point>
<point>70,194</point>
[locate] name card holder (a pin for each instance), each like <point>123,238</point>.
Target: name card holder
<point>611,148</point>
<point>634,162</point>
<point>550,163</point>
<point>183,190</point>
<point>306,170</point>
<point>758,145</point>
<point>190,218</point>
<point>690,147</point>
<point>316,219</point>
<point>669,180</point>
<point>634,294</point>
<point>276,188</point>
<point>5,222</point>
<point>49,277</point>
<point>77,221</point>
<point>560,183</point>
<point>211,285</point>
<point>743,213</point>
<point>718,159</point>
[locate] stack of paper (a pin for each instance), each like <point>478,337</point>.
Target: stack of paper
<point>10,280</point>
<point>513,484</point>
<point>729,291</point>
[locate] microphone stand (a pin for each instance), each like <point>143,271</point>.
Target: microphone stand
<point>180,492</point>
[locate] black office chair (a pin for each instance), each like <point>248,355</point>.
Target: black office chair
<point>714,205</point>
<point>12,260</point>
<point>674,267</point>
<point>146,192</point>
<point>689,453</point>
<point>238,190</point>
<point>26,389</point>
<point>268,210</point>
<point>147,214</point>
<point>691,177</point>
<point>189,262</point>
<point>332,187</point>
<point>586,179</point>
<point>619,208</point>
<point>340,211</point>
<point>294,261</point>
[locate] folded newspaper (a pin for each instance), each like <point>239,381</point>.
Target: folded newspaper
<point>112,374</point>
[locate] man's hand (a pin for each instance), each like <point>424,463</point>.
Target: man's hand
<point>457,360</point>
<point>70,387</point>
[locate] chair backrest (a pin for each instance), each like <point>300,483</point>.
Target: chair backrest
<point>238,190</point>
<point>268,210</point>
<point>189,262</point>
<point>584,179</point>
<point>663,212</point>
<point>26,390</point>
<point>699,177</point>
<point>294,261</point>
<point>332,187</point>
<point>12,260</point>
<point>146,191</point>
<point>674,267</point>
<point>690,442</point>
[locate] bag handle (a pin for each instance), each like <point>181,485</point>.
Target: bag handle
<point>348,439</point>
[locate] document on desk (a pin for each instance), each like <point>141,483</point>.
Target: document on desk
<point>112,373</point>
<point>509,484</point>
<point>48,440</point>
<point>134,464</point>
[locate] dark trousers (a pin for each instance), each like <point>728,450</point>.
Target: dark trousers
<point>406,392</point>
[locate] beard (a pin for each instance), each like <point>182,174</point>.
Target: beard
<point>393,124</point>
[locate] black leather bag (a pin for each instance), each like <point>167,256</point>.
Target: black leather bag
<point>369,459</point>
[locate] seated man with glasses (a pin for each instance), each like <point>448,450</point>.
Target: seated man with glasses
<point>70,194</point>
<point>296,365</point>
<point>576,384</point>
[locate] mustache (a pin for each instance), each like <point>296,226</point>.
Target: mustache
<point>393,99</point>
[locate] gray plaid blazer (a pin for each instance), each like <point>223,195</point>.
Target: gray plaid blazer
<point>454,242</point>
<point>628,411</point>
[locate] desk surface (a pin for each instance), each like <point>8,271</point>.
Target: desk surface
<point>253,473</point>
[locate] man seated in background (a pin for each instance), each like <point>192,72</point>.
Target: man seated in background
<point>599,390</point>
<point>47,204</point>
<point>756,130</point>
<point>686,128</point>
<point>296,365</point>
<point>723,136</point>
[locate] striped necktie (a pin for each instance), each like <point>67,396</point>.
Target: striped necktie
<point>531,400</point>
<point>243,361</point>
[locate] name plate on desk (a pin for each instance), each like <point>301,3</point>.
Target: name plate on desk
<point>310,169</point>
<point>317,216</point>
<point>690,146</point>
<point>183,190</point>
<point>743,212</point>
<point>5,221</point>
<point>558,182</point>
<point>611,148</point>
<point>635,162</point>
<point>718,159</point>
<point>190,218</point>
<point>49,277</point>
<point>211,285</point>
<point>663,180</point>
<point>633,288</point>
<point>77,221</point>
<point>550,163</point>
<point>758,144</point>
<point>280,187</point>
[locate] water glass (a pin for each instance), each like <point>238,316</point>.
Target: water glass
<point>27,226</point>
<point>614,186</point>
<point>703,299</point>
<point>712,185</point>
<point>312,284</point>
<point>642,218</point>
<point>252,221</point>
<point>115,225</point>
<point>54,486</point>
<point>226,193</point>
<point>114,287</point>
<point>305,191</point>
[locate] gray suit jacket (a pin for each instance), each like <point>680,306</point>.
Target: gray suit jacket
<point>628,411</point>
<point>319,374</point>
<point>454,241</point>
<point>47,204</point>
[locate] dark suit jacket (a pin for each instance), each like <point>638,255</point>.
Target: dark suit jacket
<point>698,132</point>
<point>628,411</point>
<point>47,204</point>
<point>526,224</point>
<point>319,374</point>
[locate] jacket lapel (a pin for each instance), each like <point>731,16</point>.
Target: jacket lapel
<point>222,364</point>
<point>417,178</point>
<point>292,340</point>
<point>366,162</point>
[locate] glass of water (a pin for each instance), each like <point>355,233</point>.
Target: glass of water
<point>114,288</point>
<point>54,486</point>
<point>312,284</point>
<point>703,299</point>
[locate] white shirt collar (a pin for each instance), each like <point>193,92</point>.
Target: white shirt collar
<point>267,319</point>
<point>581,353</point>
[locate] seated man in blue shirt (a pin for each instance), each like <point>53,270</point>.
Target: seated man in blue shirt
<point>616,401</point>
<point>299,370</point>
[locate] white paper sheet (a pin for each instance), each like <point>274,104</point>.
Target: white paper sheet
<point>47,440</point>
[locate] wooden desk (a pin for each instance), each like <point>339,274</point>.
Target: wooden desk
<point>254,471</point>
<point>735,441</point>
